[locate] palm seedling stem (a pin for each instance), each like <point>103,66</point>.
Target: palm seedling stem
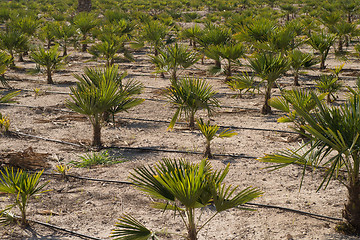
<point>266,109</point>
<point>96,132</point>
<point>207,153</point>
<point>192,233</point>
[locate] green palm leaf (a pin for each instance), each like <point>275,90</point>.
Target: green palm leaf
<point>128,228</point>
<point>225,199</point>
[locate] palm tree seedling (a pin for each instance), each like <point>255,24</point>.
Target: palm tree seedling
<point>22,186</point>
<point>48,59</point>
<point>334,146</point>
<point>344,31</point>
<point>174,58</point>
<point>210,132</point>
<point>329,84</point>
<point>242,82</point>
<point>26,25</point>
<point>154,33</point>
<point>214,36</point>
<point>108,49</point>
<point>64,34</point>
<point>288,9</point>
<point>185,187</point>
<point>349,7</point>
<point>98,92</point>
<point>299,60</point>
<point>5,61</point>
<point>322,42</point>
<point>299,97</point>
<point>257,31</point>
<point>269,67</point>
<point>188,95</point>
<point>192,33</point>
<point>231,52</point>
<point>46,33</point>
<point>13,42</point>
<point>282,39</point>
<point>85,22</point>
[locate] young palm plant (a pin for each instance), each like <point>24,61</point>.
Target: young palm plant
<point>154,33</point>
<point>189,95</point>
<point>13,42</point>
<point>231,52</point>
<point>210,132</point>
<point>174,58</point>
<point>242,82</point>
<point>299,60</point>
<point>64,34</point>
<point>335,146</point>
<point>185,187</point>
<point>5,61</point>
<point>298,97</point>
<point>100,91</point>
<point>269,68</point>
<point>85,21</point>
<point>329,84</point>
<point>22,186</point>
<point>322,42</point>
<point>192,34</point>
<point>49,59</point>
<point>107,49</point>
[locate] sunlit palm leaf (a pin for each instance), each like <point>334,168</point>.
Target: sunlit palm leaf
<point>128,228</point>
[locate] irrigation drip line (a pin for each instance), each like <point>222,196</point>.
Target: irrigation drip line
<point>232,127</point>
<point>27,106</point>
<point>163,121</point>
<point>151,149</point>
<point>294,210</point>
<point>49,139</point>
<point>259,129</point>
<point>89,179</point>
<point>147,99</point>
<point>250,204</point>
<point>65,230</point>
<point>148,149</point>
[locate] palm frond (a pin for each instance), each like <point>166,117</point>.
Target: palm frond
<point>128,228</point>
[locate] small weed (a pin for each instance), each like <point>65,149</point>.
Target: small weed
<point>4,123</point>
<point>95,158</point>
<point>63,169</point>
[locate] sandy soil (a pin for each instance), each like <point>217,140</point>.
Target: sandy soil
<point>92,208</point>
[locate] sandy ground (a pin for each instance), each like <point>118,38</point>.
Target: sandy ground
<point>92,208</point>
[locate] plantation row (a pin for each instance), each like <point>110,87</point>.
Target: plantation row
<point>265,41</point>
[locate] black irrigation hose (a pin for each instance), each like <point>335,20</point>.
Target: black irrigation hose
<point>294,210</point>
<point>232,127</point>
<point>147,99</point>
<point>163,121</point>
<point>88,179</point>
<point>178,151</point>
<point>48,139</point>
<point>148,149</point>
<point>65,230</point>
<point>250,204</point>
<point>151,149</point>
